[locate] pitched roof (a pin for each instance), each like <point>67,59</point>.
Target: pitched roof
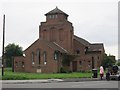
<point>81,40</point>
<point>52,45</point>
<point>59,48</point>
<point>56,11</point>
<point>96,47</point>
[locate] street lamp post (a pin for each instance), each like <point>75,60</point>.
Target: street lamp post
<point>3,45</point>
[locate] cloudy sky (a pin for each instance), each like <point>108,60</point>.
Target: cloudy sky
<point>94,20</point>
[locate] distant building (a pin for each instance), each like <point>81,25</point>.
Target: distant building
<point>56,38</point>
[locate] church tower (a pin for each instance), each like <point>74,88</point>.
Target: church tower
<point>57,29</point>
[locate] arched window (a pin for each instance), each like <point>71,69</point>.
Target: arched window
<point>45,57</point>
<point>38,56</point>
<point>56,55</point>
<point>33,58</point>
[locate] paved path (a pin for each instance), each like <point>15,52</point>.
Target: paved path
<point>49,80</point>
<point>83,84</point>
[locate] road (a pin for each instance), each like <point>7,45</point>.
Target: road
<point>83,84</point>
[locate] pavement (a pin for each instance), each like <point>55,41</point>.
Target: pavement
<point>50,80</point>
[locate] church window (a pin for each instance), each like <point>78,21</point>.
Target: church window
<point>93,62</point>
<point>56,55</point>
<point>45,57</point>
<point>86,49</point>
<point>78,51</point>
<point>80,62</point>
<point>38,56</point>
<point>22,64</point>
<point>33,58</point>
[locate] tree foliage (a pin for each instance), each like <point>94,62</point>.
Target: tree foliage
<point>66,59</point>
<point>12,50</point>
<point>108,61</point>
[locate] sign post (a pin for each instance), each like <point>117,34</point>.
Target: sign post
<point>3,56</point>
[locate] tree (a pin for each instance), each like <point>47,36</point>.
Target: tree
<point>108,61</point>
<point>12,50</point>
<point>66,59</point>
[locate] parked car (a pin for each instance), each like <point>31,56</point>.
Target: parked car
<point>115,73</point>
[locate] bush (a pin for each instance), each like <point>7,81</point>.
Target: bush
<point>62,70</point>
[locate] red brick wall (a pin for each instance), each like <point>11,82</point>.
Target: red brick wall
<point>59,32</point>
<point>84,61</point>
<point>51,65</point>
<point>19,64</point>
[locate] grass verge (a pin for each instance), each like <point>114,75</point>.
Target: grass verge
<point>9,75</point>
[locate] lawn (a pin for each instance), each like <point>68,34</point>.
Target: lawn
<point>9,75</point>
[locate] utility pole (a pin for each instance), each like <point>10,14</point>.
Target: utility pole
<point>3,56</point>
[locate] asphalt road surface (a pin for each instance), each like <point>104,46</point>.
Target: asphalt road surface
<point>83,84</point>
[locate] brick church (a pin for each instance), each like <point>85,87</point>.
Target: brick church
<point>57,39</point>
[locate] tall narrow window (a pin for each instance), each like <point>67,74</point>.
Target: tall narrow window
<point>45,57</point>
<point>86,49</point>
<point>38,56</point>
<point>56,55</point>
<point>33,58</point>
<point>80,62</point>
<point>93,62</point>
<point>22,64</point>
